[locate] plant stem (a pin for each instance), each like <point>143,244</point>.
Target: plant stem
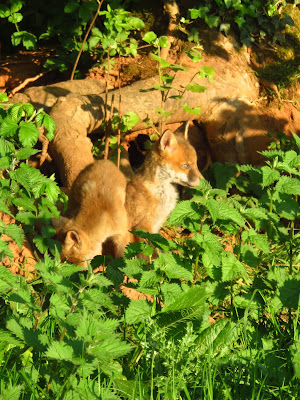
<point>85,38</point>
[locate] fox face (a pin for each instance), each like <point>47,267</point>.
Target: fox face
<point>178,160</point>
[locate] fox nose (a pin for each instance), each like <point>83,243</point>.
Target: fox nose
<point>195,178</point>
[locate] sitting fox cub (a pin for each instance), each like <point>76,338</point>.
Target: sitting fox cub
<point>96,212</point>
<point>151,194</point>
<point>98,209</point>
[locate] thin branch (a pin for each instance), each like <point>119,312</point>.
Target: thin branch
<point>85,38</point>
<point>25,83</point>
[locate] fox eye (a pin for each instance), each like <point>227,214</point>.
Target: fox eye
<point>185,166</point>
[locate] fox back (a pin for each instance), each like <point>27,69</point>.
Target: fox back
<point>152,194</point>
<point>96,212</point>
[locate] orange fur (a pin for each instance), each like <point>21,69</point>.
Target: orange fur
<point>152,194</point>
<point>96,212</point>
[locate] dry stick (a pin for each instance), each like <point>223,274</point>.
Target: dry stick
<point>119,112</point>
<point>85,38</point>
<point>25,83</point>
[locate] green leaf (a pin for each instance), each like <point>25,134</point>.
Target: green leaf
<point>29,109</point>
<point>150,37</point>
<point>269,176</point>
<point>170,292</point>
<point>259,240</point>
<point>28,134</point>
<point>192,110</point>
<point>288,185</point>
<point>136,23</point>
<point>163,63</point>
<point>249,255</point>
<point>195,88</point>
<point>231,267</point>
<point>183,210</point>
<point>128,121</point>
<point>28,39</point>
<point>163,41</point>
<point>212,21</point>
<point>15,233</point>
<point>194,297</point>
<point>8,127</point>
<point>60,351</point>
<point>70,7</point>
<point>12,393</point>
<point>15,18</point>
<point>137,311</point>
<point>26,153</point>
<point>173,266</point>
<point>4,208</point>
<point>290,292</point>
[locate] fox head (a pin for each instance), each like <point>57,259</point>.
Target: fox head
<point>76,245</point>
<point>178,159</point>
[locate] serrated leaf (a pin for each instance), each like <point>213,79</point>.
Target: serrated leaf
<point>128,121</point>
<point>6,148</point>
<point>137,311</point>
<point>12,393</point>
<point>60,351</point>
<point>173,266</point>
<point>231,267</point>
<point>288,185</point>
<point>29,109</point>
<point>28,134</point>
<point>183,210</point>
<point>249,255</point>
<point>26,153</point>
<point>194,297</point>
<point>16,112</point>
<point>8,127</point>
<point>269,176</point>
<point>4,208</point>
<point>170,292</point>
<point>15,233</point>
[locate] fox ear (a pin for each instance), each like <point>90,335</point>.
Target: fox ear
<point>73,239</point>
<point>168,141</point>
<point>183,130</point>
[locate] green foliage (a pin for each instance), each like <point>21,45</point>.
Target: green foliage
<point>167,72</point>
<point>25,193</point>
<point>218,314</point>
<point>251,19</point>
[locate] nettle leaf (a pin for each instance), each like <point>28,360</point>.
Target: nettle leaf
<point>137,311</point>
<point>26,153</point>
<point>5,251</point>
<point>297,139</point>
<point>231,267</point>
<point>44,119</point>
<point>12,393</point>
<point>4,208</point>
<point>28,134</point>
<point>133,267</point>
<point>287,207</point>
<point>8,127</point>
<point>170,292</point>
<point>269,176</point>
<point>29,109</point>
<point>289,293</point>
<point>292,158</point>
<point>6,147</point>
<point>173,266</point>
<point>183,210</point>
<point>60,351</point>
<point>15,233</point>
<point>259,240</point>
<point>193,297</point>
<point>16,112</point>
<point>288,185</point>
<point>249,255</point>
<point>217,338</point>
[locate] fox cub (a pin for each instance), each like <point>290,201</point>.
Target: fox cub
<point>151,194</point>
<point>96,212</point>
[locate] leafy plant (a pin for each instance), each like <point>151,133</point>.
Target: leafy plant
<point>25,194</point>
<point>166,78</point>
<point>252,19</point>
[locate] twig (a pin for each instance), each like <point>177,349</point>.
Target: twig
<point>85,38</point>
<point>25,83</point>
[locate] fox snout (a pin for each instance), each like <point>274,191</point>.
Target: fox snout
<point>194,177</point>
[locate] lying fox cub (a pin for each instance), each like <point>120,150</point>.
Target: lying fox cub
<point>96,212</point>
<point>151,194</point>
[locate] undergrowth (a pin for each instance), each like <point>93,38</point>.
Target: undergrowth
<point>218,316</point>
